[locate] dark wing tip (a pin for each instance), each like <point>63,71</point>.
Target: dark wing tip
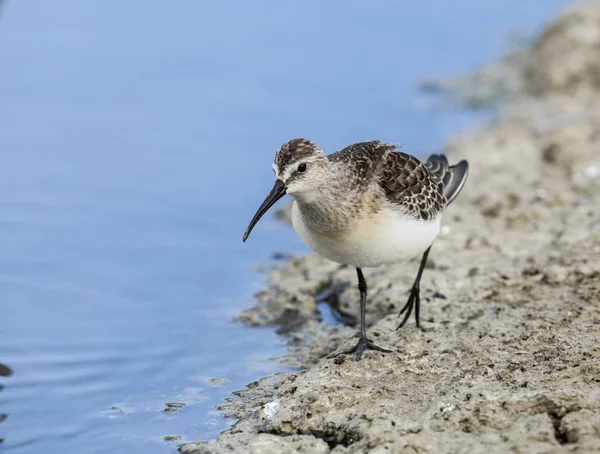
<point>438,158</point>
<point>460,172</point>
<point>462,167</point>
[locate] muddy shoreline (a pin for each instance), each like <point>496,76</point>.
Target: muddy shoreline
<point>509,357</point>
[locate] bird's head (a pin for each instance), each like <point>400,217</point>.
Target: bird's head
<point>301,166</point>
<point>300,169</point>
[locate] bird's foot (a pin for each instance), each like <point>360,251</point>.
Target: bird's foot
<point>364,343</point>
<point>414,300</point>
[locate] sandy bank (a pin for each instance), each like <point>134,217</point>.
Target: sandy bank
<point>509,360</point>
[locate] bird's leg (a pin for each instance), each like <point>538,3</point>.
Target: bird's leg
<point>364,343</point>
<point>414,300</point>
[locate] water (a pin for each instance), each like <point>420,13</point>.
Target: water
<point>136,143</point>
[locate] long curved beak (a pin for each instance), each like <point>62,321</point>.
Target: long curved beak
<point>276,193</point>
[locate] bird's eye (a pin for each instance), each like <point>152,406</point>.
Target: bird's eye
<point>302,168</point>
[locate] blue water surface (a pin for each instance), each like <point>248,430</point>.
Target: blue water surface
<point>136,141</point>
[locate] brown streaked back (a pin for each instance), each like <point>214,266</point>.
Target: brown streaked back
<point>404,179</point>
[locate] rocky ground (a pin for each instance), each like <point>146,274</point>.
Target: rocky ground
<point>509,357</point>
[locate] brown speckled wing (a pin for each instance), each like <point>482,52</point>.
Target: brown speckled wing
<point>407,182</point>
<point>404,179</point>
<point>361,160</point>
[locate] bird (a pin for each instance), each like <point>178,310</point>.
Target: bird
<point>366,205</point>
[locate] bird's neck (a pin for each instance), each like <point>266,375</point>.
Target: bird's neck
<point>329,209</point>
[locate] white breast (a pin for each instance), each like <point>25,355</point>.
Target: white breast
<point>388,237</point>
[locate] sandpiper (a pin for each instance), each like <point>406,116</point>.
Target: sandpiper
<point>365,206</point>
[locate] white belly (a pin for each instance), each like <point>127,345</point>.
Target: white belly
<point>389,237</point>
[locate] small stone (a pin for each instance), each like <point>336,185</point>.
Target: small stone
<point>172,438</point>
<point>171,407</point>
<point>271,408</point>
<point>592,172</point>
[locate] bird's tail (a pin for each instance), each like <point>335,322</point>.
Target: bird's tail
<point>452,177</point>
